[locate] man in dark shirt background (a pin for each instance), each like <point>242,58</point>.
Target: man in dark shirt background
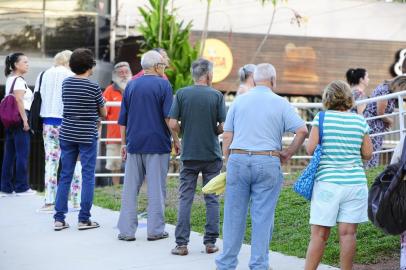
<point>201,110</point>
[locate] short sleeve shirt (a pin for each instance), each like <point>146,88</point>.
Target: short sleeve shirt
<point>20,84</point>
<point>145,106</point>
<point>200,109</point>
<point>81,101</point>
<point>259,118</point>
<point>341,162</point>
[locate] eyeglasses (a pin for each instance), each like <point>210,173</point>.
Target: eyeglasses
<point>163,65</point>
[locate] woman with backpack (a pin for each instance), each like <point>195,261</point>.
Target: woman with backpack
<point>17,143</point>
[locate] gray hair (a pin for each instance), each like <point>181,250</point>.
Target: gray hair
<point>150,59</point>
<point>120,65</point>
<point>245,71</point>
<point>264,72</point>
<point>62,58</point>
<point>201,67</point>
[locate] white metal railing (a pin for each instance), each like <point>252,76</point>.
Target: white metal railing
<point>388,143</point>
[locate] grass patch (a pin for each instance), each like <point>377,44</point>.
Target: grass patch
<point>291,232</point>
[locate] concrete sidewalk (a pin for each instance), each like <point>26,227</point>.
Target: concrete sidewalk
<point>28,242</point>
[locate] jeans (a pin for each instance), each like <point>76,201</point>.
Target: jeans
<point>256,181</point>
<point>188,180</point>
<point>69,155</point>
<point>16,151</point>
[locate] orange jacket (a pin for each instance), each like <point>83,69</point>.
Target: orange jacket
<point>112,94</point>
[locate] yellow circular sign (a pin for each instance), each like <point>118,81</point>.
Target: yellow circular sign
<point>220,55</point>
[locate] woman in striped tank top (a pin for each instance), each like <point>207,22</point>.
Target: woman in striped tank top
<point>340,193</point>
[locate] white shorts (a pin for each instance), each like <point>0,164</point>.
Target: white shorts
<point>113,150</point>
<point>332,203</point>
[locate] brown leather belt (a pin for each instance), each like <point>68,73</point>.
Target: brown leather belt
<point>262,153</point>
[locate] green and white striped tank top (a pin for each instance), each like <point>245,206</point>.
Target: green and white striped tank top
<point>341,161</point>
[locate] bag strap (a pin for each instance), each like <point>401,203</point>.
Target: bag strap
<point>14,82</point>
<point>403,156</point>
<point>40,81</point>
<point>321,122</point>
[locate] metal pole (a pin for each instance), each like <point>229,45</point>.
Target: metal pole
<point>43,29</point>
<point>401,118</point>
<point>113,23</point>
<point>96,35</point>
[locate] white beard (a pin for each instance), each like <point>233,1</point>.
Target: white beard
<point>121,83</point>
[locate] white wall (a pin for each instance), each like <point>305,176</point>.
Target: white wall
<point>359,19</point>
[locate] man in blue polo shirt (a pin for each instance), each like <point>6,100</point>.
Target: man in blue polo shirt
<point>252,147</point>
<point>146,147</point>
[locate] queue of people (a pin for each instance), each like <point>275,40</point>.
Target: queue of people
<point>150,122</point>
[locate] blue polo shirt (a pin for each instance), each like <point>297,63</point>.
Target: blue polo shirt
<point>258,120</point>
<point>146,103</point>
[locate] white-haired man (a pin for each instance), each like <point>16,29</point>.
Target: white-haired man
<point>146,146</point>
<point>252,146</point>
<point>114,92</point>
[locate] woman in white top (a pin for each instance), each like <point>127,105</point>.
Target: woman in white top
<point>51,114</point>
<point>245,74</point>
<point>17,144</point>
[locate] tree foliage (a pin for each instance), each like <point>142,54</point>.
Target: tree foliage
<point>162,30</point>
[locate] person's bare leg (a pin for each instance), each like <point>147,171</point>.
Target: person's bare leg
<point>116,179</point>
<point>316,247</point>
<point>348,238</point>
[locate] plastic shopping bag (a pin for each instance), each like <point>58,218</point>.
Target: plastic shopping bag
<point>217,185</point>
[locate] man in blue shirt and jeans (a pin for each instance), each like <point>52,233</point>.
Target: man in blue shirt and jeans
<point>146,147</point>
<point>201,110</point>
<point>252,147</point>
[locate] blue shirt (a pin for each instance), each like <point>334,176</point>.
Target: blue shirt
<point>81,102</point>
<point>146,103</point>
<point>258,120</point>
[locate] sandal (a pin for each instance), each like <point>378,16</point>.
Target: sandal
<point>60,225</point>
<point>86,225</point>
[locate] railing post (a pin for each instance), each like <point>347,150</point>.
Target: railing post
<point>401,118</point>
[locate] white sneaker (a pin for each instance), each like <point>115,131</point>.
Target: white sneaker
<point>26,193</point>
<point>5,194</point>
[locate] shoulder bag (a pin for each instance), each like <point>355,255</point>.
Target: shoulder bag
<point>9,113</point>
<point>304,184</point>
<point>35,119</point>
<point>387,198</point>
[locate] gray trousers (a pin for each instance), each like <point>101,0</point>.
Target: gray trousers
<point>153,168</point>
<point>188,180</point>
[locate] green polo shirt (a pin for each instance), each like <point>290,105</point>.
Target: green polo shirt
<point>200,109</point>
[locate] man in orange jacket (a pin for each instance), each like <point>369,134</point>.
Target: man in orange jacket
<point>114,92</point>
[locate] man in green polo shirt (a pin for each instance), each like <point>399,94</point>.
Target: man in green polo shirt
<point>201,111</point>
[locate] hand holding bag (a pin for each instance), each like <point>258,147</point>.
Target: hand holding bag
<point>9,113</point>
<point>305,182</point>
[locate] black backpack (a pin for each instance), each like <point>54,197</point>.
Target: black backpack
<point>35,120</point>
<point>387,198</point>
